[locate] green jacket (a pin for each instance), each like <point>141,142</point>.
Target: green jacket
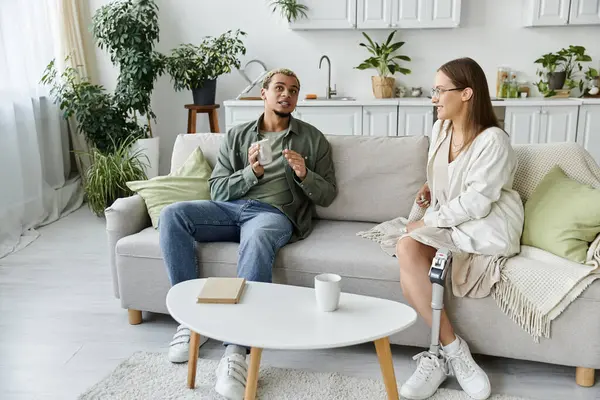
<point>232,175</point>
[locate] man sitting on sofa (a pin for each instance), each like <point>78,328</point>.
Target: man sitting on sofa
<point>263,207</point>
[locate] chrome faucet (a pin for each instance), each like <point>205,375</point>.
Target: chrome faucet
<point>329,91</point>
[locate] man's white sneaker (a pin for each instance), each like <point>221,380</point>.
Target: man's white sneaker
<point>231,376</point>
<point>424,382</point>
<point>179,348</point>
<point>469,375</point>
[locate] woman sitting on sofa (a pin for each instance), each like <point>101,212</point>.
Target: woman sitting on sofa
<point>472,210</point>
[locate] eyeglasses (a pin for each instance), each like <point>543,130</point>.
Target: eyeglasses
<point>435,92</point>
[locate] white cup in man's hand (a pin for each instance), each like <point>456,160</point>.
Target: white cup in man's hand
<point>327,290</point>
<point>265,153</point>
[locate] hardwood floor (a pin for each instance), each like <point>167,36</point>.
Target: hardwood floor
<point>61,329</point>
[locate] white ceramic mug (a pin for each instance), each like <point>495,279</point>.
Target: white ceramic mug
<point>265,153</point>
<point>327,290</point>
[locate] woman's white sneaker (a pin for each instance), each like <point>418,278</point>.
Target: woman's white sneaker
<point>473,380</point>
<point>179,348</point>
<point>232,373</point>
<point>429,375</point>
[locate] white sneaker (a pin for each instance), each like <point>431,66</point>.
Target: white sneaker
<point>424,382</point>
<point>179,350</point>
<point>469,375</point>
<point>231,376</point>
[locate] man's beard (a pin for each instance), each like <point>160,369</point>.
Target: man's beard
<point>282,114</point>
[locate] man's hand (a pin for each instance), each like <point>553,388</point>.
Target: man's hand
<point>415,225</point>
<point>296,161</point>
<point>258,169</point>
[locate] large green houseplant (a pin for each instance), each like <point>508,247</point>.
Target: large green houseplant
<point>107,128</point>
<point>563,69</point>
<point>197,67</point>
<point>384,61</point>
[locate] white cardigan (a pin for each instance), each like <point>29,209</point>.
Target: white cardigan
<point>483,210</point>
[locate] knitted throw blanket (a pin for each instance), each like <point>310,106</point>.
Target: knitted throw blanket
<point>535,286</point>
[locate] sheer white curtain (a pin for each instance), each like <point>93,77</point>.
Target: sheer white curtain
<point>36,184</point>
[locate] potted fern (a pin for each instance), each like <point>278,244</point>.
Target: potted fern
<point>197,67</point>
<point>384,61</point>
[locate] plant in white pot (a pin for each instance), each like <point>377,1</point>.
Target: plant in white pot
<point>384,61</point>
<point>129,31</point>
<point>197,67</point>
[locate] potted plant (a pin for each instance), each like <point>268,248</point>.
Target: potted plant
<point>561,69</point>
<point>129,31</point>
<point>384,61</point>
<point>109,131</point>
<point>197,67</point>
<point>291,10</point>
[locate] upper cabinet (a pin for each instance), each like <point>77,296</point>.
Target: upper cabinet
<point>330,14</point>
<point>379,14</point>
<point>561,12</point>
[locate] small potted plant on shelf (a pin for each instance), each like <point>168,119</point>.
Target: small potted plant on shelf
<point>197,67</point>
<point>291,10</point>
<point>384,61</point>
<point>562,71</point>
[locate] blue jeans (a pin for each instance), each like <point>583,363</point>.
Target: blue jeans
<point>260,228</point>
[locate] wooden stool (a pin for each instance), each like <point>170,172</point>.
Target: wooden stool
<point>213,116</point>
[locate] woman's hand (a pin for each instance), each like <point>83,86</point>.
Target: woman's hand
<point>415,225</point>
<point>424,196</point>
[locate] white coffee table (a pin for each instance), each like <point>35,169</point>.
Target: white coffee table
<point>283,317</point>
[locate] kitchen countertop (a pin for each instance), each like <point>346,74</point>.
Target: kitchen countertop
<point>421,101</point>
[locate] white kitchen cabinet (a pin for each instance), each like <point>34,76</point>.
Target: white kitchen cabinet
<point>550,124</point>
<point>380,121</point>
<point>374,14</point>
<point>425,13</point>
<point>239,115</point>
<point>343,120</point>
<point>415,120</point>
<point>330,14</point>
<point>561,12</point>
<point>588,129</point>
<point>584,12</point>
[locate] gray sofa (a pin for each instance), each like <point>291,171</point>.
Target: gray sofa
<point>378,178</point>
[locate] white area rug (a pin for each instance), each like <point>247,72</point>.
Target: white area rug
<point>152,376</point>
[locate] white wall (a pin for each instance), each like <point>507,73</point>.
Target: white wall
<point>491,32</point>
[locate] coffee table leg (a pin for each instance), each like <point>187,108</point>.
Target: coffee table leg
<point>193,360</point>
<point>252,380</point>
<point>384,353</point>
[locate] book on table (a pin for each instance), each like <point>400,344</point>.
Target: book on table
<point>222,290</point>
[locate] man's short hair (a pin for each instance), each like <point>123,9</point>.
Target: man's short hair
<point>283,71</point>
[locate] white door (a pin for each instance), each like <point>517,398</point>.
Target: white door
<point>588,130</point>
<point>239,115</point>
<point>333,120</point>
<point>548,12</point>
<point>523,124</point>
<point>559,124</point>
<point>330,14</point>
<point>585,12</point>
<point>380,121</point>
<point>426,13</point>
<point>374,14</point>
<point>415,120</point>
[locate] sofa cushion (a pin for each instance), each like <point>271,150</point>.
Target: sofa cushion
<point>377,177</point>
<point>562,216</point>
<point>333,247</point>
<point>188,182</point>
<point>186,143</point>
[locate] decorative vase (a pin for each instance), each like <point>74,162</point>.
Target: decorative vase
<point>205,95</point>
<point>149,154</point>
<point>383,87</point>
<point>556,80</point>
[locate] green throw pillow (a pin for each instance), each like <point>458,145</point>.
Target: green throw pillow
<point>189,182</point>
<point>562,216</point>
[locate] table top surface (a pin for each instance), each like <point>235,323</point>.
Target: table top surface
<point>274,316</point>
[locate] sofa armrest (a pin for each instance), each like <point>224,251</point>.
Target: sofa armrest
<point>126,216</point>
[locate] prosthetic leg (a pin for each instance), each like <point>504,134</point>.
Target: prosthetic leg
<point>437,275</point>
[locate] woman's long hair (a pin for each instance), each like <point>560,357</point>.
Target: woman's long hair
<point>466,73</point>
